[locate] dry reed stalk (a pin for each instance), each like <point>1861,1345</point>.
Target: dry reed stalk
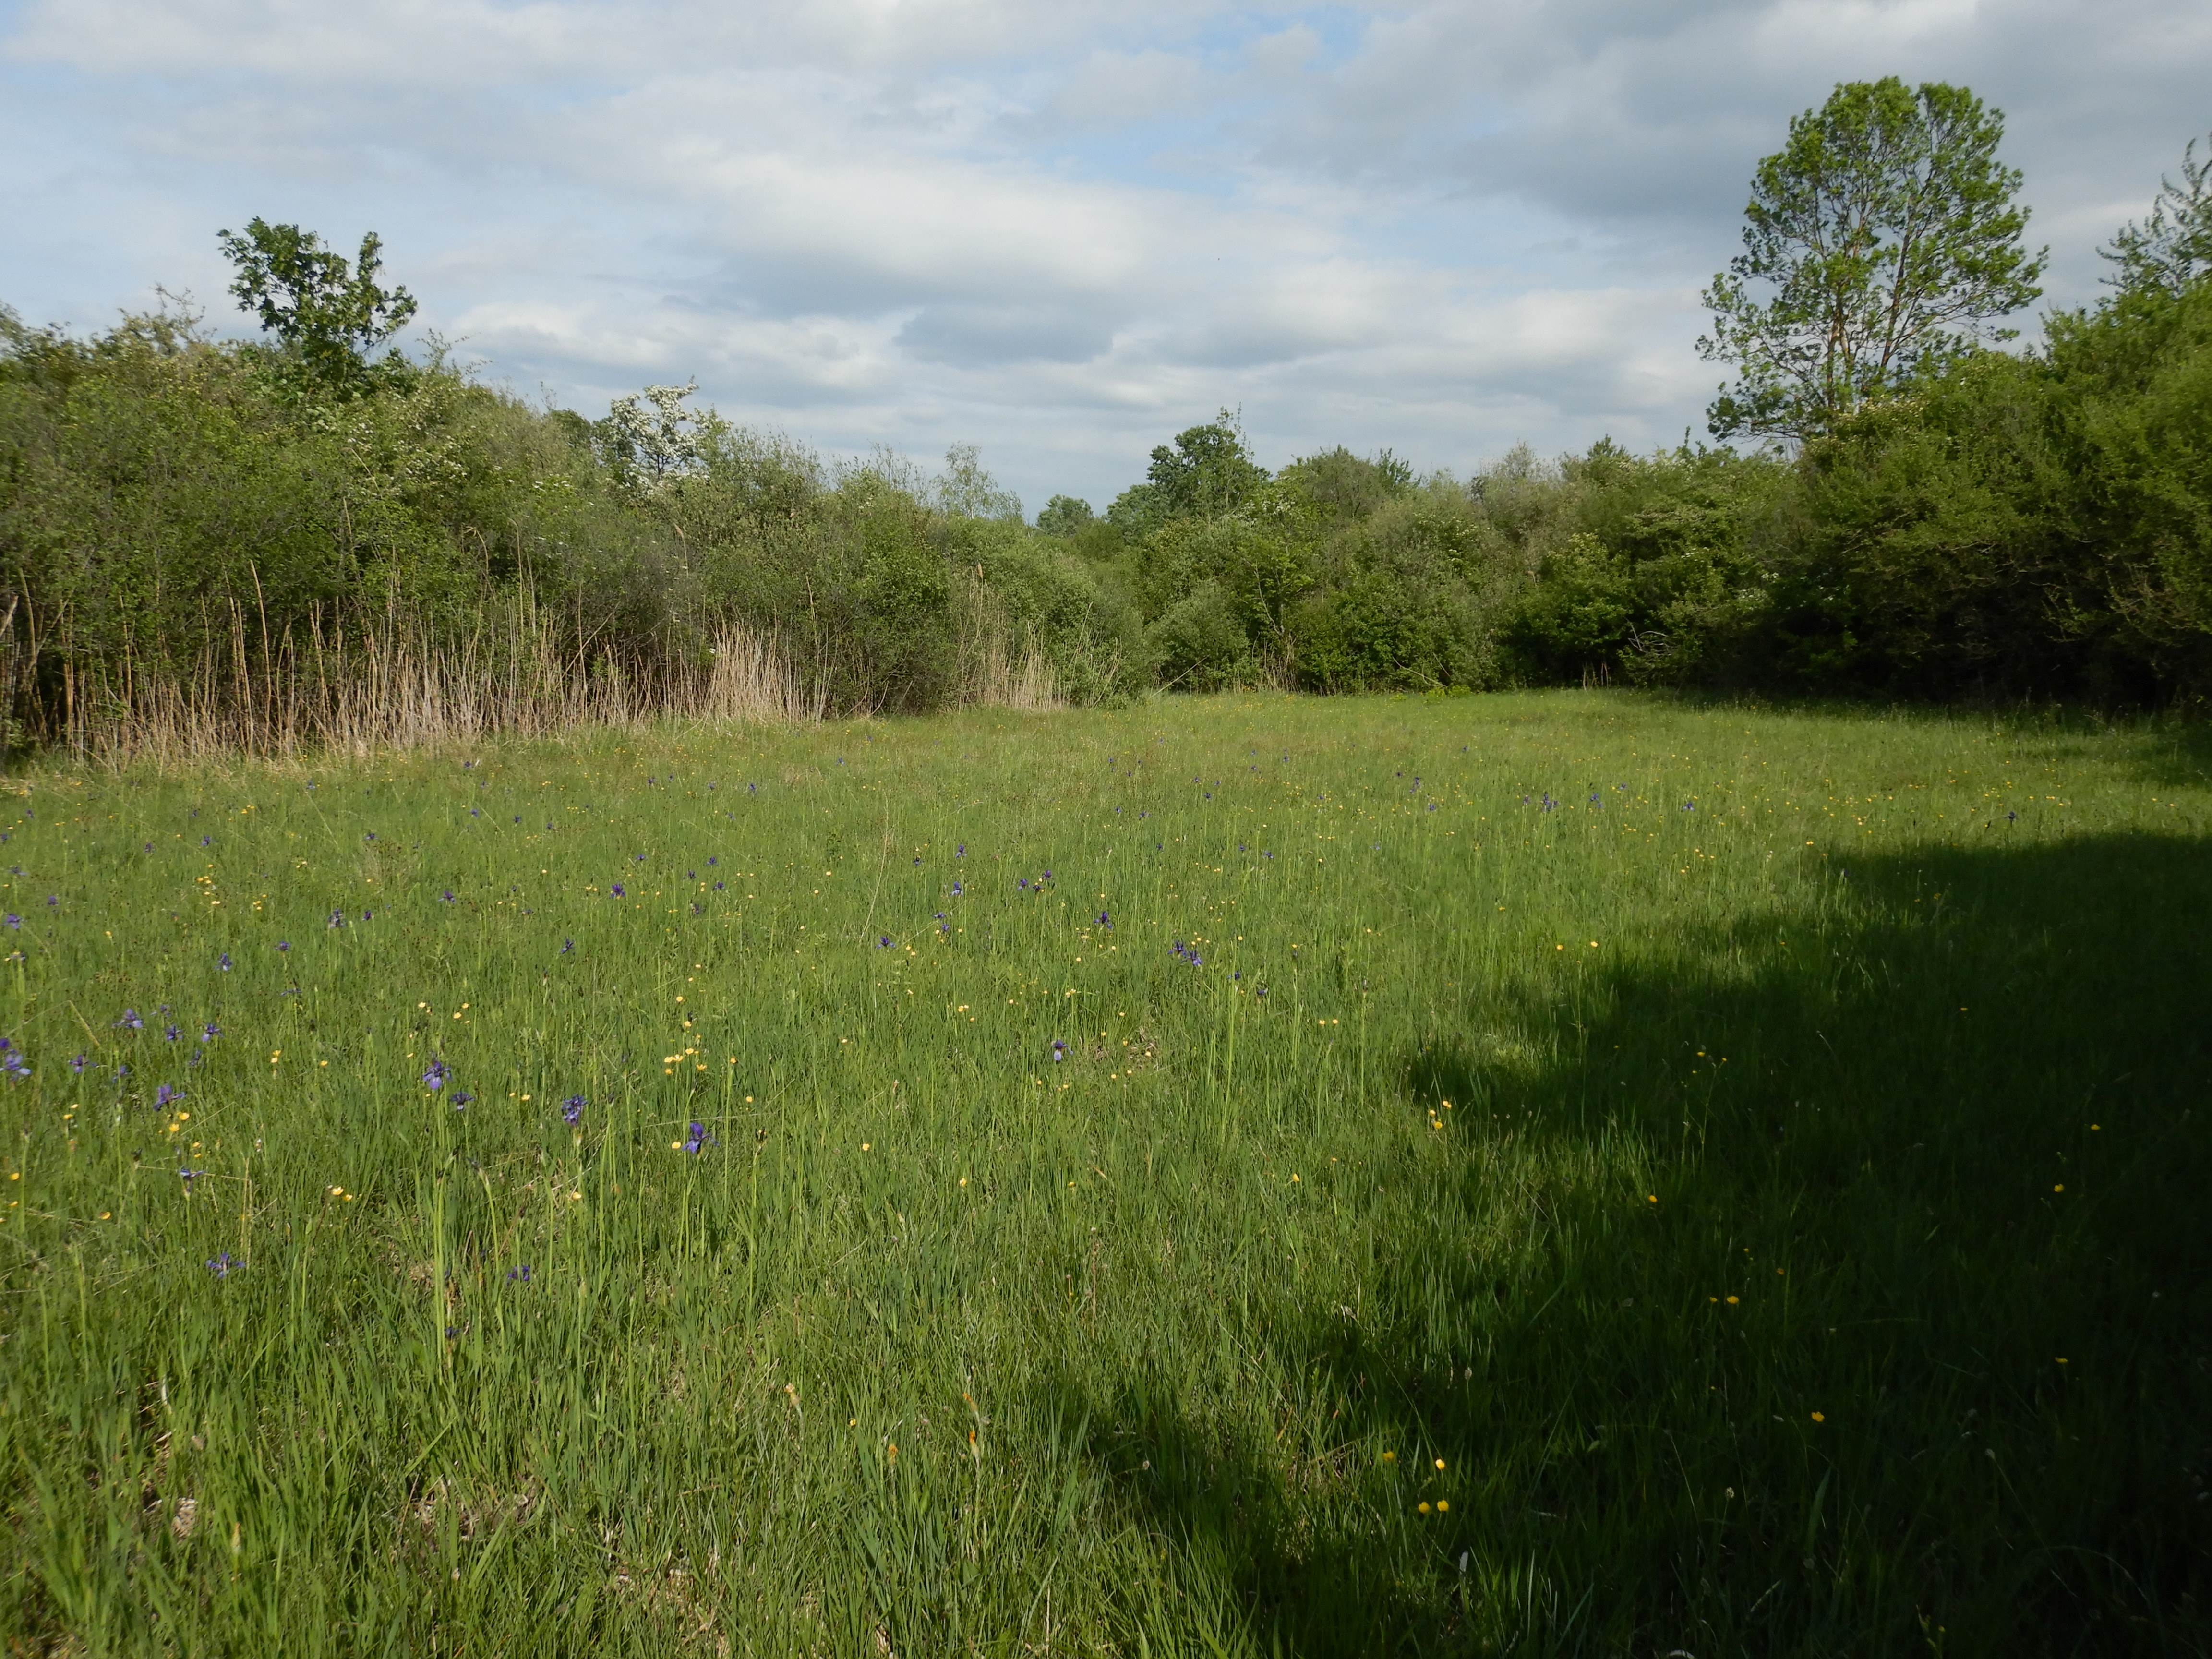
<point>992,673</point>
<point>1000,679</point>
<point>751,680</point>
<point>391,686</point>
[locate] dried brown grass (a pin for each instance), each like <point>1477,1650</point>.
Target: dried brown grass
<point>394,686</point>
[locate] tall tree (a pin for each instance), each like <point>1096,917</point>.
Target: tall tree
<point>1209,471</point>
<point>328,315</point>
<point>1880,240</point>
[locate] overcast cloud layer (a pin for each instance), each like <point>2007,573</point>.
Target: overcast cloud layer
<point>1060,231</point>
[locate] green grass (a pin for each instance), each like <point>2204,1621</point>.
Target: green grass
<point>1772,1227</point>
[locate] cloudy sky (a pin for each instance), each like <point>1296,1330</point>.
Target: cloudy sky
<point>1061,229</point>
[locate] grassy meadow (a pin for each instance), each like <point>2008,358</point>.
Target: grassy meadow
<point>1564,1172</point>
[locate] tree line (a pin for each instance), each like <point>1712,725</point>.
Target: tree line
<point>1903,499</point>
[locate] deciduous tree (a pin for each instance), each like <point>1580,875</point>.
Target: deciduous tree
<point>1880,241</point>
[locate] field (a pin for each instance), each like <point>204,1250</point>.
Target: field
<point>1566,1172</point>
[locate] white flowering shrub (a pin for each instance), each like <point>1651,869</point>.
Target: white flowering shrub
<point>653,441</point>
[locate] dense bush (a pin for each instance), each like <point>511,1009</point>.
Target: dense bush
<point>224,522</point>
<point>176,512</point>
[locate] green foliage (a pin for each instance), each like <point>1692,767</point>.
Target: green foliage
<point>171,514</point>
<point>1207,472</point>
<point>327,316</point>
<point>1199,643</point>
<point>965,490</point>
<point>2172,247</point>
<point>1040,597</point>
<point>1406,600</point>
<point>1337,484</point>
<point>1878,239</point>
<point>1065,515</point>
<point>2131,481</point>
<point>1955,522</point>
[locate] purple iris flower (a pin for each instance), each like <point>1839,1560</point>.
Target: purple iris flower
<point>957,890</point>
<point>338,919</point>
<point>461,1098</point>
<point>1103,921</point>
<point>518,1275</point>
<point>448,895</point>
<point>568,947</point>
<point>223,962</point>
<point>1059,1051</point>
<point>12,920</point>
<point>883,941</point>
<point>11,1061</point>
<point>131,1022</point>
<point>283,944</point>
<point>224,1265</point>
<point>698,1140</point>
<point>618,891</point>
<point>165,1095</point>
<point>572,1110</point>
<point>171,1032</point>
<point>77,1065</point>
<point>434,1078</point>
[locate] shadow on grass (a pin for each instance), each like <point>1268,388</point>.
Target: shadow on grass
<point>1948,1191</point>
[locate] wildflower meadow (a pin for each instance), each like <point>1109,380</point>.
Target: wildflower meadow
<point>1547,1172</point>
